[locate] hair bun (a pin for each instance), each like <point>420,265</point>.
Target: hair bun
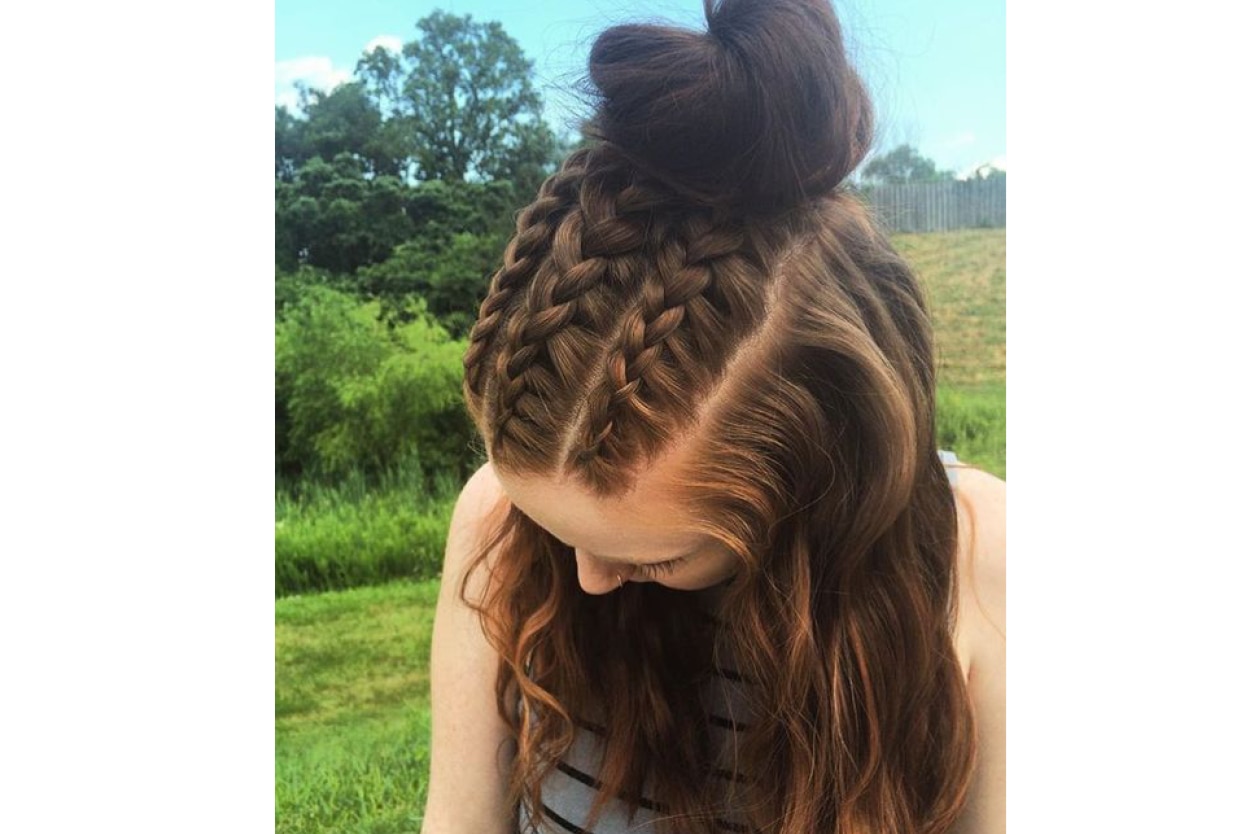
<point>759,113</point>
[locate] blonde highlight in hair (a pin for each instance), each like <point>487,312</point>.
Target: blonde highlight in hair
<point>765,319</point>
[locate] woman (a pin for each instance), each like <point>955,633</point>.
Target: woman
<point>715,576</point>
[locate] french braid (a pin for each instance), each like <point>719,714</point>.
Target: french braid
<point>524,254</point>
<point>704,295</point>
<point>577,259</point>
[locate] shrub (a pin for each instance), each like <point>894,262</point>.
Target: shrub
<point>450,275</point>
<point>353,395</point>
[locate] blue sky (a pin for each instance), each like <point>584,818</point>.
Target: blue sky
<point>937,71</point>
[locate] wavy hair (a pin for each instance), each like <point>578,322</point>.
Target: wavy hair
<point>699,272</point>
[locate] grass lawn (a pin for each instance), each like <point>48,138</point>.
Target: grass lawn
<point>352,723</point>
<point>333,538</point>
<point>964,274</point>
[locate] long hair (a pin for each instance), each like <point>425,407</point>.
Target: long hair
<point>699,272</point>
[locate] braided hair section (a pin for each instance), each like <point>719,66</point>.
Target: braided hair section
<point>525,252</point>
<point>615,313</point>
<point>703,298</point>
<point>577,260</point>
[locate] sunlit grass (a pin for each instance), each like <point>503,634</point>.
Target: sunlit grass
<point>352,722</point>
<point>333,538</point>
<point>972,422</point>
<point>964,274</point>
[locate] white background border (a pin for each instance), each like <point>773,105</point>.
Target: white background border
<point>137,580</point>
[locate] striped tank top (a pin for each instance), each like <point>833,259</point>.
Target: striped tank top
<point>570,788</point>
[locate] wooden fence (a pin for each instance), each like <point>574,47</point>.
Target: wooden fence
<point>941,206</point>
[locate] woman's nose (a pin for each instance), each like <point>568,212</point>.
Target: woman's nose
<point>597,577</point>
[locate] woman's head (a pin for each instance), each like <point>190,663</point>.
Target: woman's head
<point>697,267</point>
<point>700,339</point>
<point>793,375</point>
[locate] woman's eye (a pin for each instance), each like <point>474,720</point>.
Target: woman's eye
<point>659,568</point>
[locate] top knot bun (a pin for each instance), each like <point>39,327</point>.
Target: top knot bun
<point>760,113</point>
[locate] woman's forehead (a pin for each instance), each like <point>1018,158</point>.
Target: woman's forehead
<point>639,525</point>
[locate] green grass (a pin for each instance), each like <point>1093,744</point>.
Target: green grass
<point>352,718</point>
<point>972,422</point>
<point>964,274</point>
<point>347,537</point>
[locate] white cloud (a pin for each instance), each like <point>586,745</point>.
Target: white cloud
<point>315,71</point>
<point>387,42</point>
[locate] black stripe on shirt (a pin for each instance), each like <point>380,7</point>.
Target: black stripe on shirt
<point>597,729</point>
<point>591,782</point>
<point>562,822</point>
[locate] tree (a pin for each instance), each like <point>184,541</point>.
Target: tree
<point>448,277</point>
<point>461,231</point>
<point>289,149</point>
<point>344,120</point>
<point>337,217</point>
<point>462,90</point>
<point>988,172</point>
<point>904,164</point>
<point>348,120</point>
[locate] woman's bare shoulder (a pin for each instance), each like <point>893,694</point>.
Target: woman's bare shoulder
<point>981,501</point>
<point>982,508</point>
<point>478,502</point>
<point>469,753</point>
<point>477,514</point>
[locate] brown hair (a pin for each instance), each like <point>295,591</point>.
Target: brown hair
<point>699,272</point>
